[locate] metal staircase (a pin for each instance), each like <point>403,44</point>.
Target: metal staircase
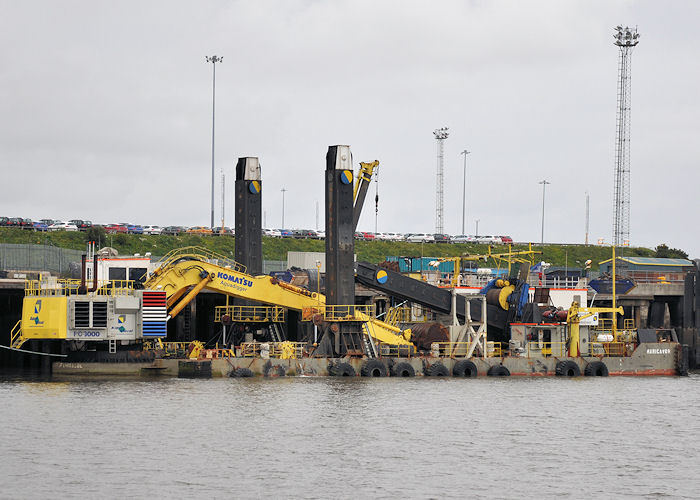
<point>276,332</point>
<point>16,337</point>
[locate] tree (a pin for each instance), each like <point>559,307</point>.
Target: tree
<point>663,251</point>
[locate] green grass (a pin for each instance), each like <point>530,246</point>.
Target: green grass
<point>277,248</point>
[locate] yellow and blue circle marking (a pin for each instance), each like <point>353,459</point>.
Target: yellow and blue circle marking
<point>346,177</point>
<point>382,276</point>
<point>254,187</point>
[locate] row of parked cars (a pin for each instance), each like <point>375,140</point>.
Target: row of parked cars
<point>311,234</point>
<point>45,224</point>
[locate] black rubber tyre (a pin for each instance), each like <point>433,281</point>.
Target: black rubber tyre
<point>567,369</point>
<point>498,371</point>
<point>403,369</point>
<point>464,368</point>
<point>596,369</point>
<point>373,368</point>
<point>343,370</point>
<point>437,370</point>
<point>242,373</point>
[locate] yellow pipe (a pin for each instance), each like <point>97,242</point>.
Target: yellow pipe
<point>574,339</point>
<point>191,295</point>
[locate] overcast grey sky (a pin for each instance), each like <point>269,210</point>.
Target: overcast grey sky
<point>106,110</point>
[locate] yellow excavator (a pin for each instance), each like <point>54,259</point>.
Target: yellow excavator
<point>195,269</point>
<point>68,310</point>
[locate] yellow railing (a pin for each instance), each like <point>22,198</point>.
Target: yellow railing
<point>16,338</point>
<point>546,349</point>
<point>250,314</point>
<point>396,315</point>
<point>65,287</point>
<point>451,349</point>
<point>339,312</point>
<point>199,253</point>
<point>621,349</point>
<point>494,349</point>
<point>281,350</point>
<point>397,350</point>
<point>168,348</point>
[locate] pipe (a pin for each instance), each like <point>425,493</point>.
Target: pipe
<point>94,274</point>
<point>191,295</point>
<point>82,290</point>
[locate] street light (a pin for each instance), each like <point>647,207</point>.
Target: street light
<point>544,186</point>
<point>477,227</point>
<point>283,190</point>
<point>464,188</point>
<point>213,60</point>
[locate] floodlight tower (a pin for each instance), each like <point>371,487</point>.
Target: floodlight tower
<point>440,135</point>
<point>213,60</point>
<point>626,39</point>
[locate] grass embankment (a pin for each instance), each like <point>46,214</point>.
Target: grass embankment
<point>277,248</point>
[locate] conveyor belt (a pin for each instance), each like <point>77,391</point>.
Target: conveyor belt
<point>438,299</point>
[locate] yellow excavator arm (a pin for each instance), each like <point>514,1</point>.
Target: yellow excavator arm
<point>195,268</point>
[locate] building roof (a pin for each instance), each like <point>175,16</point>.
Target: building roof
<point>653,261</point>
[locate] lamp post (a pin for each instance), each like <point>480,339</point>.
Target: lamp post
<point>283,190</point>
<point>213,60</point>
<point>477,227</point>
<point>544,186</point>
<point>464,188</point>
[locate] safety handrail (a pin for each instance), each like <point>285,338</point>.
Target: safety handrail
<point>350,312</point>
<point>16,337</point>
<point>202,254</point>
<point>250,314</point>
<point>60,287</point>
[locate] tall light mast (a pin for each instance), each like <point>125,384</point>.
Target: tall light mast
<point>213,60</point>
<point>626,39</point>
<point>440,135</point>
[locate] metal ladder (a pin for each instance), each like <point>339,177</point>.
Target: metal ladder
<point>276,332</point>
<point>370,348</point>
<point>112,346</point>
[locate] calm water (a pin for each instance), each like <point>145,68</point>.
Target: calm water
<point>365,438</point>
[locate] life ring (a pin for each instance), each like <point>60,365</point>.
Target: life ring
<point>342,370</point>
<point>403,369</point>
<point>596,369</point>
<point>437,370</point>
<point>498,371</point>
<point>373,368</point>
<point>464,368</point>
<point>567,369</point>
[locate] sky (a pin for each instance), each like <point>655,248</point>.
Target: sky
<point>106,111</point>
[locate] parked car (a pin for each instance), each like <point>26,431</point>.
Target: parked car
<point>488,239</point>
<point>286,233</point>
<point>3,221</point>
<point>40,226</point>
<point>420,238</point>
<point>133,228</point>
<point>149,229</point>
<point>199,230</point>
<point>14,222</point>
<point>321,234</point>
<point>115,228</point>
<point>441,238</point>
<point>62,226</point>
<point>172,230</point>
<point>274,233</point>
<point>463,238</point>
<point>225,231</point>
<point>303,234</point>
<point>368,236</point>
<point>506,240</point>
<point>48,222</point>
<point>82,225</point>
